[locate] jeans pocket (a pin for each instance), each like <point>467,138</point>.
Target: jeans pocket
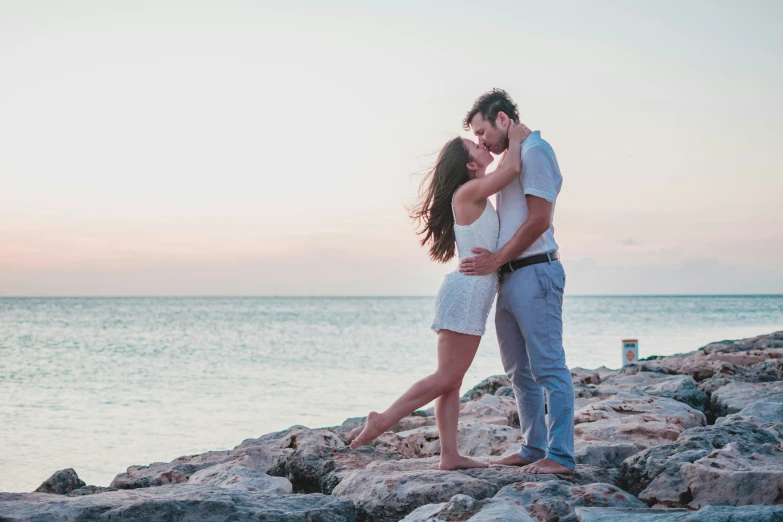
<point>543,279</point>
<point>558,277</point>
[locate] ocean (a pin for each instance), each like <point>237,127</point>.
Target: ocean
<point>99,384</point>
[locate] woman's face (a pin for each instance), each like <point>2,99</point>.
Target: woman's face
<point>479,154</point>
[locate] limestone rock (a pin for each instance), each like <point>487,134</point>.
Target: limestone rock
<point>581,402</point>
<point>417,419</point>
<point>717,381</point>
<point>604,372</point>
<point>474,439</point>
<point>348,426</point>
<point>585,376</point>
<point>733,463</point>
<point>766,371</point>
<point>234,475</point>
<point>177,471</point>
<point>388,496</point>
<point>89,490</point>
<point>488,386</point>
<point>643,420</point>
<point>585,391</point>
<point>501,512</point>
<point>583,474</point>
<point>736,474</point>
<point>768,415</point>
<point>678,387</point>
<point>411,422</point>
<point>463,507</point>
<point>601,514</point>
<point>295,437</point>
<point>191,502</point>
<point>760,343</point>
<point>707,514</point>
<point>389,489</point>
<point>601,454</point>
<point>505,391</point>
<point>733,397</point>
<point>707,361</point>
<point>490,406</point>
<point>261,454</point>
<point>420,464</point>
<point>61,482</point>
<point>459,507</point>
<point>320,469</point>
<point>557,500</point>
<point>737,359</point>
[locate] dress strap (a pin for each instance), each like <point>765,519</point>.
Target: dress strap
<point>453,214</point>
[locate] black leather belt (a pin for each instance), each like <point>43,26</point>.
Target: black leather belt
<point>516,264</point>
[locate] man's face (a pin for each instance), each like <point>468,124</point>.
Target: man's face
<point>494,137</point>
<point>478,153</point>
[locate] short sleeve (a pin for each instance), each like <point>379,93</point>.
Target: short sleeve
<point>540,174</point>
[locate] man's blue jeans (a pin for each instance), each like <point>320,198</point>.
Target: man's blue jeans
<point>529,322</point>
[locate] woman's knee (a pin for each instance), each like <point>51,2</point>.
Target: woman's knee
<point>448,381</point>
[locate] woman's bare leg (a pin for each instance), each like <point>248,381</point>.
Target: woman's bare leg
<point>455,354</point>
<point>447,415</point>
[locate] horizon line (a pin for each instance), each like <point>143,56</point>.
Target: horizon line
<point>324,296</point>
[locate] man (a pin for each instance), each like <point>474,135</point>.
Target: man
<point>528,315</point>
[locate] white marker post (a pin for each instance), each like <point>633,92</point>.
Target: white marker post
<point>630,351</point>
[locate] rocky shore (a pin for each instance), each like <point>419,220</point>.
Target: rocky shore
<point>689,437</point>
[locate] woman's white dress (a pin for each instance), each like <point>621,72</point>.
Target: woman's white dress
<point>464,301</point>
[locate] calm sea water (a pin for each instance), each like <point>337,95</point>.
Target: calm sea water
<point>100,384</point>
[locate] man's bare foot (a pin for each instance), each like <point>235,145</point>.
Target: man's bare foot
<point>510,460</point>
<point>545,466</point>
<point>369,433</point>
<point>459,462</point>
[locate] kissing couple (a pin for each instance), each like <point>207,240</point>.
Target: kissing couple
<point>510,253</point>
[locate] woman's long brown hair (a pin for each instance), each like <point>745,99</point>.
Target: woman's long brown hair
<point>432,214</point>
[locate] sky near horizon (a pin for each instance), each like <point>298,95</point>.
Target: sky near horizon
<point>271,148</point>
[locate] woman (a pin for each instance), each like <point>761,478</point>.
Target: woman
<point>454,208</point>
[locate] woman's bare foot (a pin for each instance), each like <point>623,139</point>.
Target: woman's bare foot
<point>546,466</point>
<point>369,433</point>
<point>459,462</point>
<point>510,460</point>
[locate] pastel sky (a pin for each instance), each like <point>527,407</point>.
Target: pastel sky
<point>270,148</point>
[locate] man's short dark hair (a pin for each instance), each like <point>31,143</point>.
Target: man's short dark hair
<point>489,105</point>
